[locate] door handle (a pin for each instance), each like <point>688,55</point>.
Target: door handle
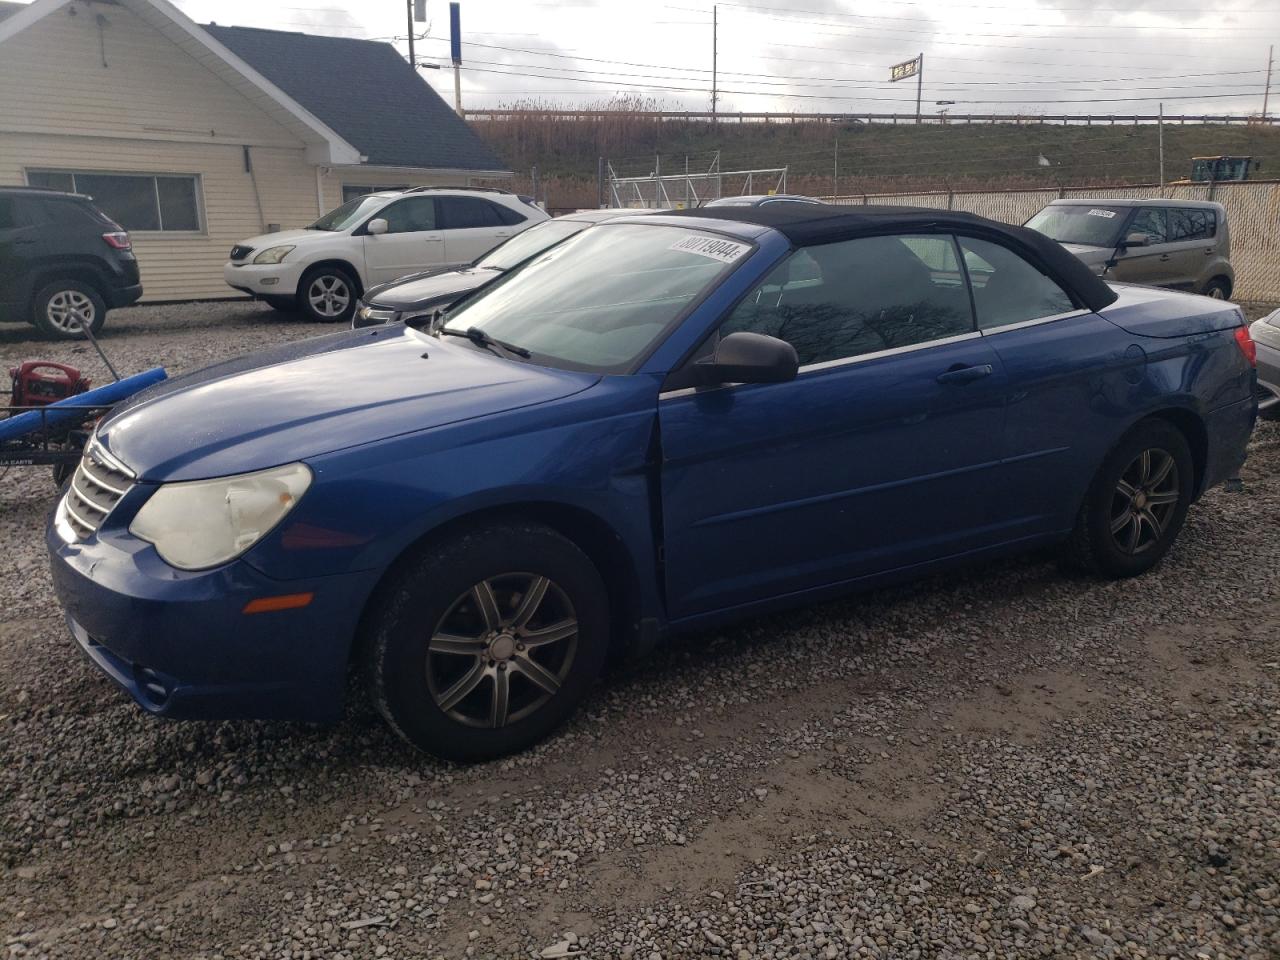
<point>22,242</point>
<point>1164,258</point>
<point>965,374</point>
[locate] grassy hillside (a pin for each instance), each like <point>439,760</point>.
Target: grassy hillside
<point>874,158</point>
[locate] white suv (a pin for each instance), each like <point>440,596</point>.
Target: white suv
<point>322,269</point>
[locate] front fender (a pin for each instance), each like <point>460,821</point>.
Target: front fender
<point>368,504</point>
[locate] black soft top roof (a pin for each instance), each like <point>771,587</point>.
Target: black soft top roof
<point>808,224</point>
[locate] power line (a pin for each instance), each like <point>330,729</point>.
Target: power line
<point>806,96</point>
<point>787,13</point>
<point>686,70</point>
<point>776,81</point>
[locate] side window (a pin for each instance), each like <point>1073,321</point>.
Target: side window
<point>8,213</point>
<point>1006,288</point>
<point>1150,222</point>
<point>410,215</point>
<point>861,296</point>
<point>462,213</point>
<point>1188,223</point>
<point>507,216</point>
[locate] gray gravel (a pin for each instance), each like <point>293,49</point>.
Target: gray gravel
<point>1001,762</point>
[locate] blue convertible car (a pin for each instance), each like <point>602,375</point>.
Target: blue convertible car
<point>663,423</point>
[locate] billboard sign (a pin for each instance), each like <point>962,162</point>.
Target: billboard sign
<point>901,71</point>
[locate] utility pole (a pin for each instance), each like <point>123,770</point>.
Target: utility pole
<point>1160,136</point>
<point>413,61</point>
<point>1266,93</point>
<point>455,54</point>
<point>714,55</point>
<point>919,85</point>
<point>835,169</point>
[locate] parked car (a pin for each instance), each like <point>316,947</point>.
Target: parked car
<point>759,200</point>
<point>323,269</point>
<point>63,262</point>
<point>421,296</point>
<point>1182,244</point>
<point>661,424</point>
<point>1266,335</point>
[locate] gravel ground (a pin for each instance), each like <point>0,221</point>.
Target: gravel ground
<point>1003,762</point>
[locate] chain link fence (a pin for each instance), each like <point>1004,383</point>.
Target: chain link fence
<point>1253,215</point>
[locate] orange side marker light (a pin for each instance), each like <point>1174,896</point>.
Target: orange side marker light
<point>289,601</point>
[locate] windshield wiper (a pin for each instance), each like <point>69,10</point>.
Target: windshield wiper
<point>482,339</point>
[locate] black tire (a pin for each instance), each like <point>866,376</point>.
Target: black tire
<point>432,602</point>
<point>1219,288</point>
<point>1151,520</point>
<point>59,307</point>
<point>283,304</point>
<point>340,284</point>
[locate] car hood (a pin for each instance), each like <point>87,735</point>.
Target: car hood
<point>1093,257</point>
<point>429,289</point>
<point>316,396</point>
<point>265,240</point>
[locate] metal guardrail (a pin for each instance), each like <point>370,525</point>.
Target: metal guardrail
<point>892,118</point>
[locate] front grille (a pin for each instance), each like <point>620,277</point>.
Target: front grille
<point>96,487</point>
<point>239,251</point>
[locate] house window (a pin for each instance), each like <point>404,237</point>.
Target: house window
<point>352,190</point>
<point>168,202</point>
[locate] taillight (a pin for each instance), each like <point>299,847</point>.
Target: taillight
<point>118,239</point>
<point>1246,345</point>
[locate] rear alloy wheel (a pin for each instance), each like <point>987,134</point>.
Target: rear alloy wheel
<point>488,641</point>
<point>1217,288</point>
<point>328,295</point>
<point>1136,505</point>
<point>65,308</point>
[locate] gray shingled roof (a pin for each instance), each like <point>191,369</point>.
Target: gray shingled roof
<point>366,92</point>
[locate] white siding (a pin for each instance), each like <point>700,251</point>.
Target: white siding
<point>66,74</point>
<point>124,98</point>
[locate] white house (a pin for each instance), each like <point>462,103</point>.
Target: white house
<point>194,137</point>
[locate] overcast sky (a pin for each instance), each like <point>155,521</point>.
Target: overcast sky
<point>1055,56</point>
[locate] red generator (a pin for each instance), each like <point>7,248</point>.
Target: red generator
<point>40,382</point>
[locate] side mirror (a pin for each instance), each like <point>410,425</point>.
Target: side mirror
<point>376,227</point>
<point>749,358</point>
<point>1134,240</point>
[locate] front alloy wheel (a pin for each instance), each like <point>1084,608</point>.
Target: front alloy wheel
<point>327,294</point>
<point>502,650</point>
<point>484,642</point>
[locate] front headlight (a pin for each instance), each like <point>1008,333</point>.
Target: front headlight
<point>204,523</point>
<point>272,254</point>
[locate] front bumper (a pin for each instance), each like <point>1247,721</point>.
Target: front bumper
<point>180,644</point>
<point>264,279</point>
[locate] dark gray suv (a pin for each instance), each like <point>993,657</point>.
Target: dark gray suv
<point>63,262</point>
<point>1181,244</point>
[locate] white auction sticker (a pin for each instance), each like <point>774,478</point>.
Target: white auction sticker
<point>726,251</point>
<point>1102,213</point>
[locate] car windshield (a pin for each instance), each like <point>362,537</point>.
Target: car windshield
<point>1086,225</point>
<point>600,300</point>
<point>349,214</point>
<point>530,243</point>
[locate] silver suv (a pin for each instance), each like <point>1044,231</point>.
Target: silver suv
<point>1182,244</point>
